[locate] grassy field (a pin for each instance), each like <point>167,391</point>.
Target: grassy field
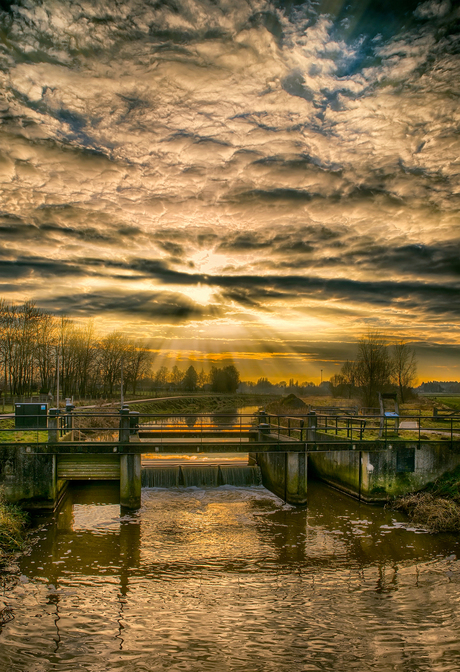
<point>8,434</point>
<point>447,403</point>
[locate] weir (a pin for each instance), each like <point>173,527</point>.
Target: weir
<point>200,476</point>
<point>350,453</point>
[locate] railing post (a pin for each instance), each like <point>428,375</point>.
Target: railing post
<point>53,425</point>
<point>134,422</point>
<point>68,418</point>
<point>311,431</point>
<point>123,434</point>
<point>264,429</point>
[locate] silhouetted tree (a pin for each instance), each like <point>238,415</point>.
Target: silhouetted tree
<point>226,379</point>
<point>404,367</point>
<point>190,379</point>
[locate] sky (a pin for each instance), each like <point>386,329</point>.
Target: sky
<point>240,181</point>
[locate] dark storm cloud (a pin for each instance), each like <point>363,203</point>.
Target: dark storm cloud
<point>26,267</point>
<point>439,299</point>
<point>48,230</point>
<point>159,306</point>
<point>281,240</point>
<point>417,260</point>
<point>435,299</point>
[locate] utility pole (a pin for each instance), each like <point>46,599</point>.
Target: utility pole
<point>121,382</point>
<point>57,383</point>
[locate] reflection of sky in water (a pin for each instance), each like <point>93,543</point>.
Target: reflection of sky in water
<point>235,580</point>
<point>103,518</point>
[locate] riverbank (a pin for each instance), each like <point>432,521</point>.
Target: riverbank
<point>437,508</point>
<point>213,403</point>
<point>13,524</point>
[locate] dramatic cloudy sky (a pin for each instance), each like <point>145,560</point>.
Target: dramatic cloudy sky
<point>259,180</point>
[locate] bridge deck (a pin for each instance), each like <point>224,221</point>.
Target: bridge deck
<point>272,443</point>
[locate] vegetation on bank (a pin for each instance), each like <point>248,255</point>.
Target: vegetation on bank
<point>213,403</point>
<point>13,523</point>
<point>437,507</point>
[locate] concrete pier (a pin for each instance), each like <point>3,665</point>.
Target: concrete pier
<point>285,474</point>
<point>130,481</point>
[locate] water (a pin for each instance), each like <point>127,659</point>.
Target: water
<point>232,579</point>
<point>231,418</point>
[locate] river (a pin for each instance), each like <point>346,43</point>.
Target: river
<point>231,579</point>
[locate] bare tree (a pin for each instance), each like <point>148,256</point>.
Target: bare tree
<point>177,376</point>
<point>161,377</point>
<point>404,367</point>
<point>373,367</point>
<point>138,362</point>
<point>45,351</point>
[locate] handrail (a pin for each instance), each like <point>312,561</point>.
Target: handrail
<point>325,427</point>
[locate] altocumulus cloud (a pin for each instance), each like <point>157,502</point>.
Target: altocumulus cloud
<point>290,158</point>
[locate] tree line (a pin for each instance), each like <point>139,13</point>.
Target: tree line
<point>35,345</point>
<point>378,367</point>
<point>225,379</point>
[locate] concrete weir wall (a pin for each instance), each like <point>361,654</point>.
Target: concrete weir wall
<point>285,474</point>
<point>38,480</point>
<point>376,476</point>
<point>30,481</point>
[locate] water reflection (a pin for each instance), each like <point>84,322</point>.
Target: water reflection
<point>229,418</point>
<point>232,579</point>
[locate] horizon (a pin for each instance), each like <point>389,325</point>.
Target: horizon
<point>252,183</point>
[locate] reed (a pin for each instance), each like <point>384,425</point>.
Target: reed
<point>437,508</point>
<point>13,523</point>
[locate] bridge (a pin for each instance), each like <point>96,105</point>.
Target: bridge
<point>369,457</point>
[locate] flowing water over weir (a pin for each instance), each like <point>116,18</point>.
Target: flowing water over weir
<point>231,579</point>
<point>201,476</point>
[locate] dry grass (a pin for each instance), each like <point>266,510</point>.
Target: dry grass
<point>437,514</point>
<point>12,525</point>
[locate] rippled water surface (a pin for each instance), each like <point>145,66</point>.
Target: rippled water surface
<point>232,579</point>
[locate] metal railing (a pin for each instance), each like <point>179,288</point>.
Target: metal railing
<point>319,428</point>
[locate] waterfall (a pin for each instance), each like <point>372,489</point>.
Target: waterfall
<point>241,476</point>
<point>160,477</point>
<point>200,476</point>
